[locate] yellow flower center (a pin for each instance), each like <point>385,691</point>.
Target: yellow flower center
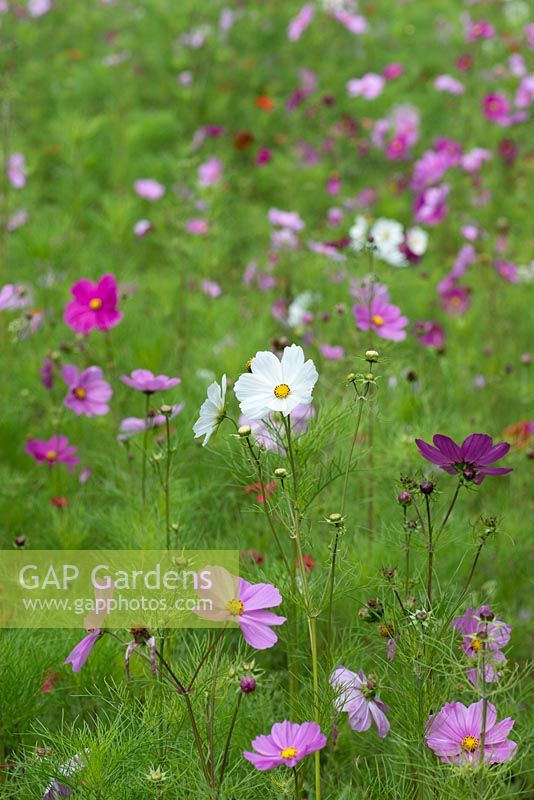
<point>80,393</point>
<point>377,320</point>
<point>235,607</point>
<point>470,744</point>
<point>282,391</point>
<point>248,365</point>
<point>95,303</point>
<point>476,644</point>
<point>288,752</point>
<point>51,455</point>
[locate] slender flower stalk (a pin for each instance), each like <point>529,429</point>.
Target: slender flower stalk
<point>145,449</point>
<point>431,545</point>
<point>213,698</point>
<point>229,737</point>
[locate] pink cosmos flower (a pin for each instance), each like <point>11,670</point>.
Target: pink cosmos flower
<point>131,426</point>
<point>145,381</point>
<point>430,168</point>
<point>286,219</point>
<point>455,299</point>
<point>47,373</point>
<point>17,220</point>
<point>149,189</point>
<point>36,8</point>
<point>15,296</point>
<point>88,391</point>
<point>211,288</point>
<point>470,460</point>
<point>263,157</point>
<point>455,734</point>
<point>474,159</point>
<point>79,655</point>
<point>142,227</point>
<point>234,599</point>
<point>358,697</point>
<point>94,305</point>
<point>16,170</point>
<point>56,450</point>
<point>298,24</point>
<point>332,352</point>
<point>382,317</point>
<point>430,334</point>
<point>479,634</point>
<point>369,86</point>
<point>480,29</point>
<point>198,226</point>
<point>210,172</point>
<point>445,83</point>
<point>496,108</point>
<point>392,71</point>
<point>354,23</point>
<point>507,271</point>
<point>430,206</point>
<point>269,432</point>
<point>525,92</point>
<point>286,745</point>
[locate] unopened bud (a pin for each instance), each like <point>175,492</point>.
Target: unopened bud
<point>427,487</point>
<point>371,355</point>
<point>280,473</point>
<point>351,377</point>
<point>369,377</point>
<point>247,684</point>
<point>335,518</point>
<point>166,410</point>
<point>421,615</point>
<point>389,573</point>
<point>20,541</point>
<point>404,498</point>
<point>486,614</point>
<point>244,431</point>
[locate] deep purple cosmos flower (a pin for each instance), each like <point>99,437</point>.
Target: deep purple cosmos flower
<point>471,459</point>
<point>94,305</point>
<point>79,655</point>
<point>286,745</point>
<point>358,697</point>
<point>234,599</point>
<point>88,391</point>
<point>455,735</point>
<point>145,381</point>
<point>56,450</point>
<point>382,317</point>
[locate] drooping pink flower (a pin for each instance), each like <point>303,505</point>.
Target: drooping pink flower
<point>262,492</point>
<point>471,460</point>
<point>94,305</point>
<point>298,24</point>
<point>88,391</point>
<point>358,697</point>
<point>210,172</point>
<point>382,317</point>
<point>149,189</point>
<point>79,655</point>
<point>17,219</point>
<point>430,334</point>
<point>131,426</point>
<point>16,170</point>
<point>369,86</point>
<point>269,432</point>
<point>525,92</point>
<point>455,734</point>
<point>143,380</point>
<point>354,23</point>
<point>286,745</point>
<point>234,599</point>
<point>56,450</point>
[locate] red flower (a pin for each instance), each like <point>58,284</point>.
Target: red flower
<point>60,502</point>
<point>256,487</point>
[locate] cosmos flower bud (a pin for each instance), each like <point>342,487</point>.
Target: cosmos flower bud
<point>369,377</point>
<point>427,487</point>
<point>280,473</point>
<point>404,498</point>
<point>486,614</point>
<point>247,684</point>
<point>244,431</point>
<point>421,615</point>
<point>351,377</point>
<point>335,518</point>
<point>389,573</point>
<point>165,410</point>
<point>20,541</point>
<point>181,561</point>
<point>371,355</point>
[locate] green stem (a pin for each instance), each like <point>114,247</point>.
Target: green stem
<point>166,486</point>
<point>408,537</point>
<point>315,673</point>
<point>331,583</point>
<point>361,399</point>
<point>212,711</point>
<point>145,448</point>
<point>229,737</point>
<point>430,578</point>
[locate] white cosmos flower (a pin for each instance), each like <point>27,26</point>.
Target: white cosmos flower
<point>417,241</point>
<point>298,309</point>
<point>358,233</point>
<point>274,385</point>
<point>388,235</point>
<point>211,411</point>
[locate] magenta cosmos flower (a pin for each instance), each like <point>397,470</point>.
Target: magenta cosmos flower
<point>79,655</point>
<point>145,381</point>
<point>234,599</point>
<point>94,305</point>
<point>54,451</point>
<point>358,697</point>
<point>455,734</point>
<point>88,391</point>
<point>471,459</point>
<point>382,317</point>
<point>286,745</point>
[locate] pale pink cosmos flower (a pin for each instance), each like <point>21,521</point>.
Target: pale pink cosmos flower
<point>36,8</point>
<point>88,391</point>
<point>332,352</point>
<point>17,219</point>
<point>197,226</point>
<point>142,227</point>
<point>210,172</point>
<point>525,92</point>
<point>143,380</point>
<point>16,170</point>
<point>446,83</point>
<point>15,296</point>
<point>455,735</point>
<point>149,189</point>
<point>131,426</point>
<point>430,206</point>
<point>298,24</point>
<point>234,599</point>
<point>354,23</point>
<point>286,745</point>
<point>358,697</point>
<point>474,159</point>
<point>211,288</point>
<point>286,219</point>
<point>369,86</point>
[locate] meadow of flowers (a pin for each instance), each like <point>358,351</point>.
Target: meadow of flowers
<point>266,286</point>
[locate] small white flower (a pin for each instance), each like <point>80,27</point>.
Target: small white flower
<point>388,235</point>
<point>274,385</point>
<point>358,233</point>
<point>211,411</point>
<point>299,309</point>
<point>417,241</point>
<point>395,258</point>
